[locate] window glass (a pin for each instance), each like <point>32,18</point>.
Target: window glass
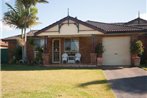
<point>71,45</point>
<point>75,45</point>
<point>39,43</point>
<point>67,44</point>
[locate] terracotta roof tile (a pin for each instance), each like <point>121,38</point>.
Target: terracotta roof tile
<point>112,27</point>
<point>30,33</point>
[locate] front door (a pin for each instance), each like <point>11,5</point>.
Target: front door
<point>56,51</point>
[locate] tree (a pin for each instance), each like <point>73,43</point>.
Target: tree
<point>29,3</point>
<point>22,16</point>
<point>29,6</point>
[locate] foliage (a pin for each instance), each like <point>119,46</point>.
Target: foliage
<point>20,17</point>
<point>23,15</point>
<point>29,3</point>
<point>144,66</point>
<point>99,49</point>
<point>39,49</point>
<point>137,47</point>
<point>31,41</point>
<point>17,54</point>
<point>39,59</point>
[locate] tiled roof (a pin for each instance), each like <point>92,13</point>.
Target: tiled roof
<point>3,44</point>
<point>30,33</point>
<point>138,22</point>
<point>112,27</point>
<point>69,18</point>
<point>136,25</point>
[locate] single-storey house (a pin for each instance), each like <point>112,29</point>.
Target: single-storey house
<point>71,35</point>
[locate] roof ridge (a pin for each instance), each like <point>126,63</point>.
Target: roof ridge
<point>115,24</point>
<point>105,22</point>
<point>136,19</point>
<point>96,21</point>
<point>127,26</point>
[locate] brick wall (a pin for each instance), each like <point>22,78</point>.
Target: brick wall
<point>144,40</point>
<point>11,50</point>
<point>49,49</point>
<point>87,46</point>
<point>30,53</point>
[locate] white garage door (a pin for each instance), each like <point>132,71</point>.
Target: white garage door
<point>116,51</point>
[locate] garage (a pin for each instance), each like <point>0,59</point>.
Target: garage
<point>116,51</point>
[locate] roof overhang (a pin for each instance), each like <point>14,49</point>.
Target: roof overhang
<point>78,35</point>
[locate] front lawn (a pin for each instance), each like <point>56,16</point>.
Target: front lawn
<point>20,81</point>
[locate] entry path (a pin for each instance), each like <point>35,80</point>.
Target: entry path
<point>128,82</point>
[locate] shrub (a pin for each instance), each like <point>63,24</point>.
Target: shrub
<point>137,47</point>
<point>39,59</point>
<point>99,49</point>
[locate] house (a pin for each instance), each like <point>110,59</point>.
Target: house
<point>4,52</point>
<point>3,44</point>
<point>72,35</point>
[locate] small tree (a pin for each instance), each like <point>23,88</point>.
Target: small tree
<point>99,49</point>
<point>137,47</point>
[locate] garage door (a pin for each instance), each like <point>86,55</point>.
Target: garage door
<point>116,51</point>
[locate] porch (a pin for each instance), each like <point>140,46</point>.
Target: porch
<point>56,47</point>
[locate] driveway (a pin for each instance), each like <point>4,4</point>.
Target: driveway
<point>128,82</point>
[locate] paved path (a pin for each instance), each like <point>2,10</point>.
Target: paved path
<point>128,82</point>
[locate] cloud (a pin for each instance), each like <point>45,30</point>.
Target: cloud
<point>144,16</point>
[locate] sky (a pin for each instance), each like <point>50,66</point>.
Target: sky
<point>108,11</point>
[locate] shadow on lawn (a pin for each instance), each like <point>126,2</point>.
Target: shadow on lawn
<point>93,83</point>
<point>9,67</point>
<point>134,85</point>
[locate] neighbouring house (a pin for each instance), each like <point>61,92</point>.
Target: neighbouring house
<point>4,52</point>
<point>71,35</point>
<point>3,44</point>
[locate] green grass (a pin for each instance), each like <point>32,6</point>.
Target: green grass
<point>20,81</point>
<point>144,66</point>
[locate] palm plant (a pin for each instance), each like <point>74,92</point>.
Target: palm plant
<point>29,6</point>
<point>14,17</point>
<point>29,3</point>
<point>22,16</point>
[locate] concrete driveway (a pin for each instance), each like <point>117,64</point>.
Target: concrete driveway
<point>128,82</point>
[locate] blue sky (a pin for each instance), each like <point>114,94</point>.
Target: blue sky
<point>97,10</point>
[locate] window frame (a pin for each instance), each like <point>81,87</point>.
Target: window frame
<point>71,39</point>
<point>40,42</point>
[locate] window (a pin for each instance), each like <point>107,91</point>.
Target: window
<point>71,45</point>
<point>39,43</point>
